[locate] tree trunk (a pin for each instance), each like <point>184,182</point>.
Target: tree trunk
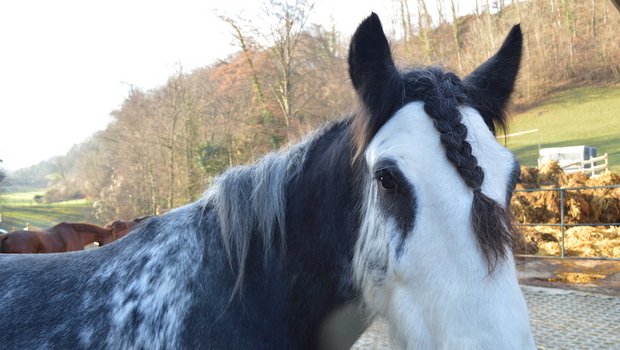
<point>455,33</point>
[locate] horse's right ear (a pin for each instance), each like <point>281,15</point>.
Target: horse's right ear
<point>375,78</point>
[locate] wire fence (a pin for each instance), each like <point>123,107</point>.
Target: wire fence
<point>563,225</point>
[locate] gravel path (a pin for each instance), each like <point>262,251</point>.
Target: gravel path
<point>561,319</point>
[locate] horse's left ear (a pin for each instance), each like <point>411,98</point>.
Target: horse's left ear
<point>492,83</point>
<point>375,78</point>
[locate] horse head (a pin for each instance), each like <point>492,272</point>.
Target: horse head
<point>434,254</point>
<point>120,228</point>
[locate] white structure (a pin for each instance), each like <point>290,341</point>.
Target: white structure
<point>575,159</point>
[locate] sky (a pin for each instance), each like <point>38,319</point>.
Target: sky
<point>65,65</point>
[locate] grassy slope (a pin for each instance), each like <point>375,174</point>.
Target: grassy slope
<point>19,209</point>
<point>581,116</point>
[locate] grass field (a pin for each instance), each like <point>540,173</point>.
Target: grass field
<point>22,197</point>
<point>582,116</point>
<point>19,209</point>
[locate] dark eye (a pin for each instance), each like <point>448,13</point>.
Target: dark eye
<point>386,180</point>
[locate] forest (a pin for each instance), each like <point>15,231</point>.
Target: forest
<point>165,145</point>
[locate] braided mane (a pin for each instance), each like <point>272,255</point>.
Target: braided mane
<point>443,93</point>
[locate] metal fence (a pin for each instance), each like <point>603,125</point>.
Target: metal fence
<point>563,225</point>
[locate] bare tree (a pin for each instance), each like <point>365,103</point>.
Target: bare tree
<point>245,48</point>
<point>456,25</point>
<point>425,27</point>
<point>405,23</point>
<point>290,21</point>
<point>405,17</point>
<point>568,19</point>
<point>441,12</point>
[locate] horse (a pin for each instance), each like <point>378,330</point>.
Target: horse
<point>64,237</point>
<point>397,210</point>
<point>120,228</point>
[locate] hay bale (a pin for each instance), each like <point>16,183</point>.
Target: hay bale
<point>575,180</point>
<point>607,209</point>
<point>604,205</point>
<point>608,178</point>
<point>528,178</point>
<point>578,241</point>
<point>549,249</point>
<point>577,208</point>
<point>550,174</point>
<point>520,208</point>
<point>614,193</point>
<point>593,242</point>
<point>530,208</point>
<point>545,238</point>
<point>581,206</point>
<point>550,201</point>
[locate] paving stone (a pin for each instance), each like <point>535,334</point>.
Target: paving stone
<point>561,319</point>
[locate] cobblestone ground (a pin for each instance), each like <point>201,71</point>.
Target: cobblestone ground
<point>561,319</point>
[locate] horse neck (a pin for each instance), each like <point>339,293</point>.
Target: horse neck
<point>89,233</point>
<point>293,232</point>
<point>322,221</point>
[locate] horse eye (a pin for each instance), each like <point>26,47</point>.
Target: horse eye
<point>386,179</point>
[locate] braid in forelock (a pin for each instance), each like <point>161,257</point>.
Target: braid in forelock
<point>442,94</point>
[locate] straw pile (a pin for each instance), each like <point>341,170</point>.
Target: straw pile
<point>578,241</point>
<point>600,205</point>
<point>590,206</point>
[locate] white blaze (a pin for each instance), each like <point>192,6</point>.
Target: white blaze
<point>438,294</point>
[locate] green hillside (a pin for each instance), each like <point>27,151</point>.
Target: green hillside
<point>582,116</point>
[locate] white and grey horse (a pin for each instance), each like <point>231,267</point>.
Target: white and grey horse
<point>399,209</point>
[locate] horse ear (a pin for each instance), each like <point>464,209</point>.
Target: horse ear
<point>374,76</point>
<point>493,82</point>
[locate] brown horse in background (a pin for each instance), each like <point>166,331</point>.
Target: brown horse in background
<point>121,228</point>
<point>63,237</point>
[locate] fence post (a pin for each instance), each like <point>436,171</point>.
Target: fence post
<point>562,219</point>
<point>606,164</point>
